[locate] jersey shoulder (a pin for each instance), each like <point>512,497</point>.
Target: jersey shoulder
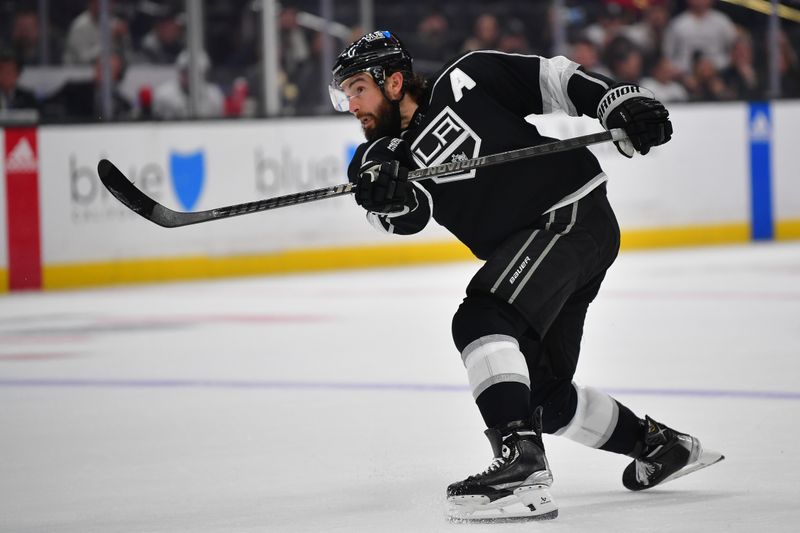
<point>435,84</point>
<point>478,59</point>
<point>488,66</point>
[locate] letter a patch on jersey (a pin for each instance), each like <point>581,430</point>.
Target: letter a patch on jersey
<point>459,81</point>
<point>446,139</point>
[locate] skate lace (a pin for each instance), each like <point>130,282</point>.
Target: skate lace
<point>497,462</point>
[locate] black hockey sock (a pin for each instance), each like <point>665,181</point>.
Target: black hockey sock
<point>504,402</point>
<point>628,434</point>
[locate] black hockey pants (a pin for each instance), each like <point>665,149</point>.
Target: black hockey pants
<point>537,287</point>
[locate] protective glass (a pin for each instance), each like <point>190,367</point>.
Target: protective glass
<point>340,101</point>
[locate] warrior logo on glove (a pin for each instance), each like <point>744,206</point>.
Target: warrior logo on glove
<point>644,119</point>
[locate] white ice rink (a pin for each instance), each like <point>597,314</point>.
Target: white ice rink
<point>337,402</point>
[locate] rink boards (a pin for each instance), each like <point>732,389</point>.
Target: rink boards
<point>729,175</point>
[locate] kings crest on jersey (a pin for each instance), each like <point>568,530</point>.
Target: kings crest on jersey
<point>446,138</point>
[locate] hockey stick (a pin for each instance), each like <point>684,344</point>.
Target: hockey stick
<point>133,198</point>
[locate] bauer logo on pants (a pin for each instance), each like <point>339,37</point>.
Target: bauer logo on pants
<point>188,174</point>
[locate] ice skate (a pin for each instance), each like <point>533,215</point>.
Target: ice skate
<point>517,483</point>
<point>667,455</point>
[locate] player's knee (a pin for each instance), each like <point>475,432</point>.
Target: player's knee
<point>559,401</point>
<point>480,316</point>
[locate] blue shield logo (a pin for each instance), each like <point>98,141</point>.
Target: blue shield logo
<point>188,173</point>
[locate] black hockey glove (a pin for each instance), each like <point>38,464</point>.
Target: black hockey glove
<point>379,171</point>
<point>644,119</point>
<point>382,187</point>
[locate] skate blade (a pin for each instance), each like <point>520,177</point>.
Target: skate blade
<point>526,503</point>
<point>706,458</point>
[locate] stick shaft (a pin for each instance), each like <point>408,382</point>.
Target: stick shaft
<point>127,193</point>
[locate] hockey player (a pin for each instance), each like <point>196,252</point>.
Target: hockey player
<point>546,232</point>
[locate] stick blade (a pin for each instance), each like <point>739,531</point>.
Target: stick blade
<point>127,193</point>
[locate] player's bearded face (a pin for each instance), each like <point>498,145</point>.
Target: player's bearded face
<point>383,121</point>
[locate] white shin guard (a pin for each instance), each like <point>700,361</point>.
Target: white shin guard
<point>595,418</point>
<point>494,359</point>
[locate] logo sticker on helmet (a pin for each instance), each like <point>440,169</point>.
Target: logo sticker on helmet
<point>374,36</point>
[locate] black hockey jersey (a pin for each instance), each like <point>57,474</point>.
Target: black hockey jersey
<point>476,105</point>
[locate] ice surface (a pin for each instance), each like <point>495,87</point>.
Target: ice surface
<point>336,402</point>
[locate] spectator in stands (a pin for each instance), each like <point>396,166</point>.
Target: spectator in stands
<point>12,96</point>
<point>624,60</point>
<point>663,81</point>
<point>585,52</point>
<point>307,80</point>
<point>513,39</point>
<point>295,49</point>
<point>705,83</point>
<point>162,44</point>
<point>83,38</point>
<point>789,68</point>
<point>82,100</point>
<point>486,34</point>
<point>648,33</point>
<point>740,76</point>
<point>540,25</point>
<point>171,100</point>
<point>610,23</point>
<point>699,29</point>
<point>243,42</point>
<point>432,42</point>
<point>239,103</point>
<point>25,38</point>
<point>246,62</point>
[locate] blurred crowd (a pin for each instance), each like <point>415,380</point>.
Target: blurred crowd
<point>682,50</point>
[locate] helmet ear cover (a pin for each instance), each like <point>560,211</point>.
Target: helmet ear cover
<point>378,74</point>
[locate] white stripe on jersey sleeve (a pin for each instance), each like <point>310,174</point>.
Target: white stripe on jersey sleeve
<point>587,76</point>
<point>554,75</point>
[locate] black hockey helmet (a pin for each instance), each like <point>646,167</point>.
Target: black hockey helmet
<point>375,53</point>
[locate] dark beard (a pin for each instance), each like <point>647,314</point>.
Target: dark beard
<point>386,121</point>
